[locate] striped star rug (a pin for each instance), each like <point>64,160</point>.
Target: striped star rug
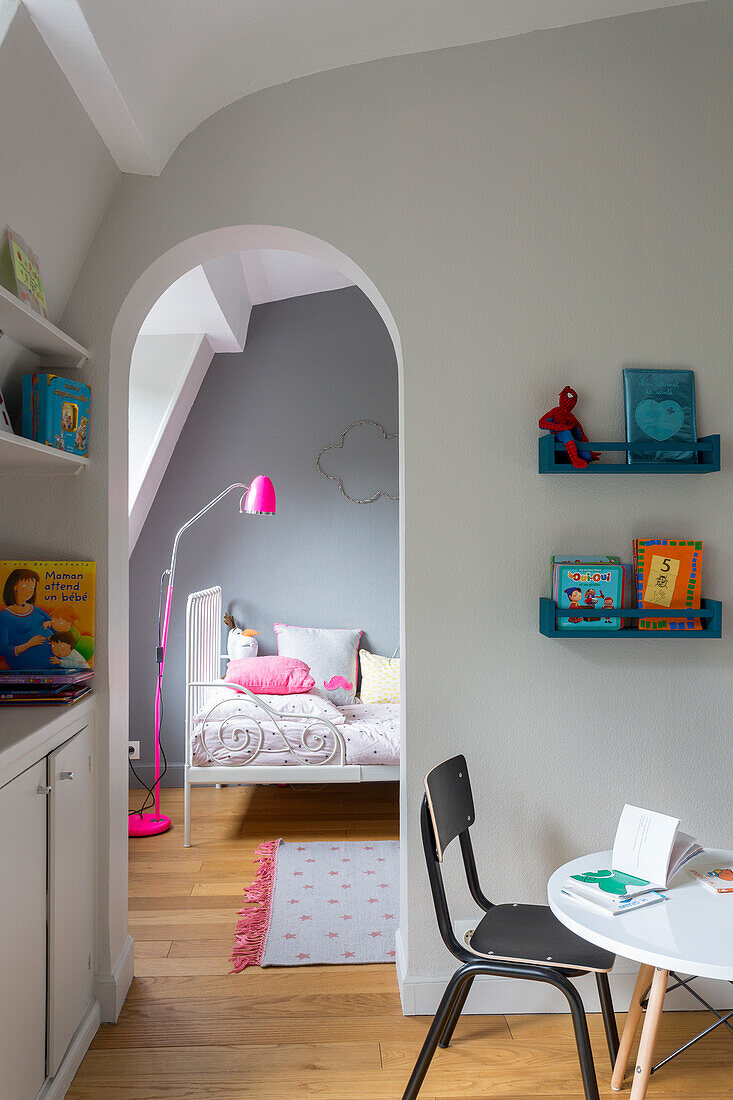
<point>331,902</point>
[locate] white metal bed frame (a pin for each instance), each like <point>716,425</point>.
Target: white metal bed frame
<point>203,670</point>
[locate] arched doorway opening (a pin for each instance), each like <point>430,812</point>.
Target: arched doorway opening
<point>146,291</point>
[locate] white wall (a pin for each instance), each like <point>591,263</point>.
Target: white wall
<point>56,178</point>
<point>56,175</point>
<point>227,280</point>
<point>535,211</point>
<point>165,375</point>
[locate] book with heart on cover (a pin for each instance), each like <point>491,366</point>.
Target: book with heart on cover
<point>660,407</point>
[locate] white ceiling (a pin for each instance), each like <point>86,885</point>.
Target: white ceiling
<point>268,275</point>
<point>271,275</point>
<point>190,305</point>
<point>148,72</point>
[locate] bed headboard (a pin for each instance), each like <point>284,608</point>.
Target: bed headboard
<point>203,643</point>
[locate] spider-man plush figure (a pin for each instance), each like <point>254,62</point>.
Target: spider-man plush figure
<point>568,428</point>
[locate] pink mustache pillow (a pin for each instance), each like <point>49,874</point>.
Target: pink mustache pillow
<point>331,654</point>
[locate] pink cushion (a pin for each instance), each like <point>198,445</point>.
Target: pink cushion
<point>273,675</point>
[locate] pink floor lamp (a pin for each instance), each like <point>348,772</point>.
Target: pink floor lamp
<point>258,499</point>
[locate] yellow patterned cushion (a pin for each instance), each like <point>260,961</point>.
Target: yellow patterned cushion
<point>380,678</point>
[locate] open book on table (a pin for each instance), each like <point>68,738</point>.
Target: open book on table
<point>651,846</point>
<point>648,851</point>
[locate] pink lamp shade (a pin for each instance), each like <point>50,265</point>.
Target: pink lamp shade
<point>259,500</point>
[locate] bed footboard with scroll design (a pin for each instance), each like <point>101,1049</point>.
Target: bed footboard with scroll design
<point>299,735</point>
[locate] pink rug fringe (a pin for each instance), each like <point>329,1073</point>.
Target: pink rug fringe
<point>250,935</point>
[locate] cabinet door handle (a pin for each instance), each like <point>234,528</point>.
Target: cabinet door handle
<point>66,775</point>
<point>43,790</point>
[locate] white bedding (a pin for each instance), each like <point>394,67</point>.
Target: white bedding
<point>371,733</point>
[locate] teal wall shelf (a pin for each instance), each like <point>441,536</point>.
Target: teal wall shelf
<point>553,458</point>
<point>710,615</point>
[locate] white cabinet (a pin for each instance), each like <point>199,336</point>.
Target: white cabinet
<point>23,934</point>
<point>46,913</point>
<point>70,892</point>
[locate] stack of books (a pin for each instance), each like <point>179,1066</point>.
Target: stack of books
<point>648,851</point>
<point>43,689</point>
<point>56,412</point>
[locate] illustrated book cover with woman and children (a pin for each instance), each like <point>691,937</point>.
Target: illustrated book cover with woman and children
<point>46,620</point>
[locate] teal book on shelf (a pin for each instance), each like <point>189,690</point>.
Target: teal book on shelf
<point>587,591</point>
<point>56,412</point>
<point>660,408</point>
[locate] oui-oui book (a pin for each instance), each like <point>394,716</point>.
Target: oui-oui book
<point>588,590</point>
<point>46,616</point>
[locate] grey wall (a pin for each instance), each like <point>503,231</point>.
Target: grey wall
<point>535,211</point>
<point>311,366</point>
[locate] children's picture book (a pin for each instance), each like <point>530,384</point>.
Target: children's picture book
<point>660,407</point>
<point>650,846</point>
<point>586,591</point>
<point>611,905</point>
<point>46,618</point>
<point>668,574</point>
<point>56,412</point>
<point>719,880</point>
<point>27,274</point>
<point>582,559</point>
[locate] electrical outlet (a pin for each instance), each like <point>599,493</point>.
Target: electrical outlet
<point>133,750</point>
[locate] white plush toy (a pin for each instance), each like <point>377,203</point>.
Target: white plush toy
<point>240,643</point>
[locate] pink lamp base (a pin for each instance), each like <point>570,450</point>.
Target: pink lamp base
<point>147,824</point>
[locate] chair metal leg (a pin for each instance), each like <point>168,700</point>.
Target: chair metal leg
<point>582,1038</point>
<point>455,1015</point>
<point>452,992</point>
<point>609,1018</point>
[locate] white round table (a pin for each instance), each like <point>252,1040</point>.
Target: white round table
<point>691,932</point>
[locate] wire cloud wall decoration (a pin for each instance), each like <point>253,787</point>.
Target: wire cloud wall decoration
<point>339,446</point>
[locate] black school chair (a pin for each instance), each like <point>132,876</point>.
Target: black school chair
<point>513,941</point>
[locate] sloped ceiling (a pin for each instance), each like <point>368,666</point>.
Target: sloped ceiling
<point>148,72</point>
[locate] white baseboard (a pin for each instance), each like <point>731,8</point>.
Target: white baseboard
<point>420,996</point>
<point>111,989</point>
<point>55,1088</point>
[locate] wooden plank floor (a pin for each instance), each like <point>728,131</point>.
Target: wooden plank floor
<point>191,1031</point>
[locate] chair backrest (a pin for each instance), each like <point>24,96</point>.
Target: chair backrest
<point>450,801</point>
<point>447,812</point>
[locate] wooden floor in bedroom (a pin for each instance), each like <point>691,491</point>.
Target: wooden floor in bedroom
<point>191,1031</point>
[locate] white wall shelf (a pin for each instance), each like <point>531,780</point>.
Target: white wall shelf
<point>23,456</point>
<point>34,332</point>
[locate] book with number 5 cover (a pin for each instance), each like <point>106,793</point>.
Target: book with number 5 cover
<point>668,574</point>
